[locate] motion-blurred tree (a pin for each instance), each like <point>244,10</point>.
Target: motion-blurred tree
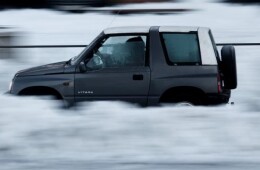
<point>244,1</point>
<point>23,3</point>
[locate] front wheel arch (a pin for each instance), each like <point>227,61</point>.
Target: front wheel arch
<point>40,91</point>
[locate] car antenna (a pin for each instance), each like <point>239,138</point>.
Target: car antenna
<point>114,18</point>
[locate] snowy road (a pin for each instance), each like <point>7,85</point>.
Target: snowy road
<point>37,134</point>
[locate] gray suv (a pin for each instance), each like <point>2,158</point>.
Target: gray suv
<point>144,65</point>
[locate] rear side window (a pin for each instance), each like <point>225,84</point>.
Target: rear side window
<point>182,48</point>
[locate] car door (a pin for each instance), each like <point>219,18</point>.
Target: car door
<point>116,70</point>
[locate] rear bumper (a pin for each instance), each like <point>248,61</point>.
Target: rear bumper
<point>221,98</point>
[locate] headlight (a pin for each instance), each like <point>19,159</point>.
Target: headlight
<point>10,86</point>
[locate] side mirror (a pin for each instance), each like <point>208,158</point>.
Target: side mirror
<point>82,67</point>
<point>95,63</point>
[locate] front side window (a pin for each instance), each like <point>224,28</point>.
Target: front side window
<point>119,51</point>
<point>182,48</point>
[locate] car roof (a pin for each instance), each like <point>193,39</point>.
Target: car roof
<point>131,29</point>
<point>145,29</point>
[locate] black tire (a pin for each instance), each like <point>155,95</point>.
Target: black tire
<point>228,67</point>
<point>192,99</point>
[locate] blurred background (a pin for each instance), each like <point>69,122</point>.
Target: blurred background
<point>35,133</point>
<point>54,4</point>
<point>96,3</point>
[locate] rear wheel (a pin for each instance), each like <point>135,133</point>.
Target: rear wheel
<point>184,100</point>
<point>184,104</point>
<point>188,100</point>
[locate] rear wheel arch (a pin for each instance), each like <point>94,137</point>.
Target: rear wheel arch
<point>193,95</point>
<point>40,91</point>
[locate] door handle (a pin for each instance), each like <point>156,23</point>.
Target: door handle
<point>138,77</point>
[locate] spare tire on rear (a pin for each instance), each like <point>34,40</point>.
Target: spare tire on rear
<point>229,68</point>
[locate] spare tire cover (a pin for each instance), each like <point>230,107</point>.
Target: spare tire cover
<point>229,68</point>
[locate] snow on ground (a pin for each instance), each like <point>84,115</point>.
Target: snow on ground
<point>36,134</point>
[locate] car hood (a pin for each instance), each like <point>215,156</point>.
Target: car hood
<point>54,68</point>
